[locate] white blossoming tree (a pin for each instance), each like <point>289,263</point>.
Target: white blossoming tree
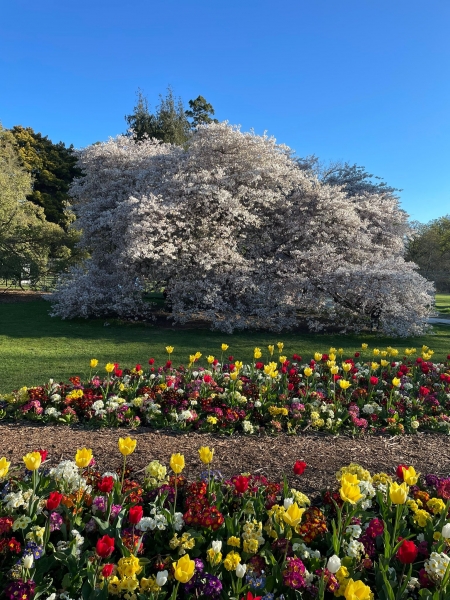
<point>238,233</point>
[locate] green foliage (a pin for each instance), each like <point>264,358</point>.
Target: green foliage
<point>52,167</point>
<point>430,249</point>
<point>26,238</point>
<point>170,122</point>
<point>200,112</point>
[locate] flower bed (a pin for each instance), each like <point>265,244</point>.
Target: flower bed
<point>374,390</point>
<point>71,532</point>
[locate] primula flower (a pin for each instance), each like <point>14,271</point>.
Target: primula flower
<point>127,446</point>
<point>184,569</point>
<point>83,458</point>
<point>177,463</point>
<point>32,461</point>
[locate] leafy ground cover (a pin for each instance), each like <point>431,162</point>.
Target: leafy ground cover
<point>73,531</point>
<point>34,347</point>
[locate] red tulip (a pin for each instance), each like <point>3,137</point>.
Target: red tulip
<point>151,361</point>
<point>138,367</point>
<point>53,500</point>
<point>407,553</point>
<point>241,484</point>
<point>299,467</point>
<point>43,453</point>
<point>135,514</point>
<point>373,380</point>
<point>105,546</point>
<point>250,596</point>
<point>107,570</point>
<point>106,485</point>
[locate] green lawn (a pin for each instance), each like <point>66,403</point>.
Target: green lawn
<point>35,347</point>
<point>443,304</point>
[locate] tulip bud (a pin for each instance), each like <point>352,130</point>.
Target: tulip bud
<point>446,531</point>
<point>240,570</point>
<point>161,578</point>
<point>334,564</point>
<point>28,561</point>
<point>216,546</point>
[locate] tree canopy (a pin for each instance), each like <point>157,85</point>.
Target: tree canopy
<point>238,233</point>
<point>52,167</point>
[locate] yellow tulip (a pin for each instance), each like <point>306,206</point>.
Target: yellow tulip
<point>282,359</point>
<point>332,356</point>
<point>357,590</point>
<point>396,382</point>
<point>169,349</point>
<point>334,370</point>
<point>344,384</point>
<point>341,351</point>
<point>257,353</point>
<point>280,346</point>
<point>109,368</point>
<point>350,478</point>
<point>127,446</point>
<point>374,366</point>
<point>83,457</point>
<point>198,355</point>
<point>238,364</point>
<point>293,515</point>
<point>234,375</point>
<point>346,367</point>
<point>317,356</point>
<point>364,346</point>
<point>350,492</point>
<point>271,348</point>
<point>32,461</point>
<point>4,467</point>
<point>332,351</point>
<point>307,371</point>
<point>206,455</point>
<point>398,493</point>
<point>192,359</point>
<point>93,363</point>
<point>184,569</point>
<point>410,476</point>
<point>210,359</point>
<point>375,352</point>
<point>177,463</point>
<point>384,363</point>
<point>224,347</point>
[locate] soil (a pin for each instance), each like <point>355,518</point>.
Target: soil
<point>269,456</point>
<point>10,296</point>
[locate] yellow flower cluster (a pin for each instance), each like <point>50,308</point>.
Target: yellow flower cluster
<point>231,561</point>
<point>74,394</point>
<point>278,410</point>
<point>186,542</point>
<point>252,536</point>
<point>127,567</point>
<point>156,474</point>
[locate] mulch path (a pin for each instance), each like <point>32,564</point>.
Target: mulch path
<point>269,456</point>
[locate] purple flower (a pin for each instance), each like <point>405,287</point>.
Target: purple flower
<point>99,504</point>
<point>115,510</point>
<point>55,521</point>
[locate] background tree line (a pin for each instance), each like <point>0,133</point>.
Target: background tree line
<point>36,237</point>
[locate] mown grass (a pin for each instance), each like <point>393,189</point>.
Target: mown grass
<point>35,347</point>
<point>443,304</point>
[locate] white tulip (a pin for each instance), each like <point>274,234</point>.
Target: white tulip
<point>240,570</point>
<point>28,561</point>
<point>334,564</point>
<point>161,578</point>
<point>446,531</point>
<point>216,546</point>
<point>52,596</point>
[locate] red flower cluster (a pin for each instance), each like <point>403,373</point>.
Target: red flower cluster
<point>199,511</point>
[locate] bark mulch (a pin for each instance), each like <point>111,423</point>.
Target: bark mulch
<point>269,456</point>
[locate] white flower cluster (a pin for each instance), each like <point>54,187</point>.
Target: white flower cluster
<point>67,476</point>
<point>436,565</point>
<point>303,551</point>
<point>247,427</point>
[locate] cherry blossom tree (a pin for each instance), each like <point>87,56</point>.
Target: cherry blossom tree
<point>240,234</point>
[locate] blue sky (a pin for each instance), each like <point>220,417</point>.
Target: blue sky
<point>365,81</point>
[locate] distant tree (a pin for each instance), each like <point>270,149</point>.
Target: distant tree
<point>52,167</point>
<point>169,123</point>
<point>26,237</point>
<point>200,112</point>
<point>429,248</point>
